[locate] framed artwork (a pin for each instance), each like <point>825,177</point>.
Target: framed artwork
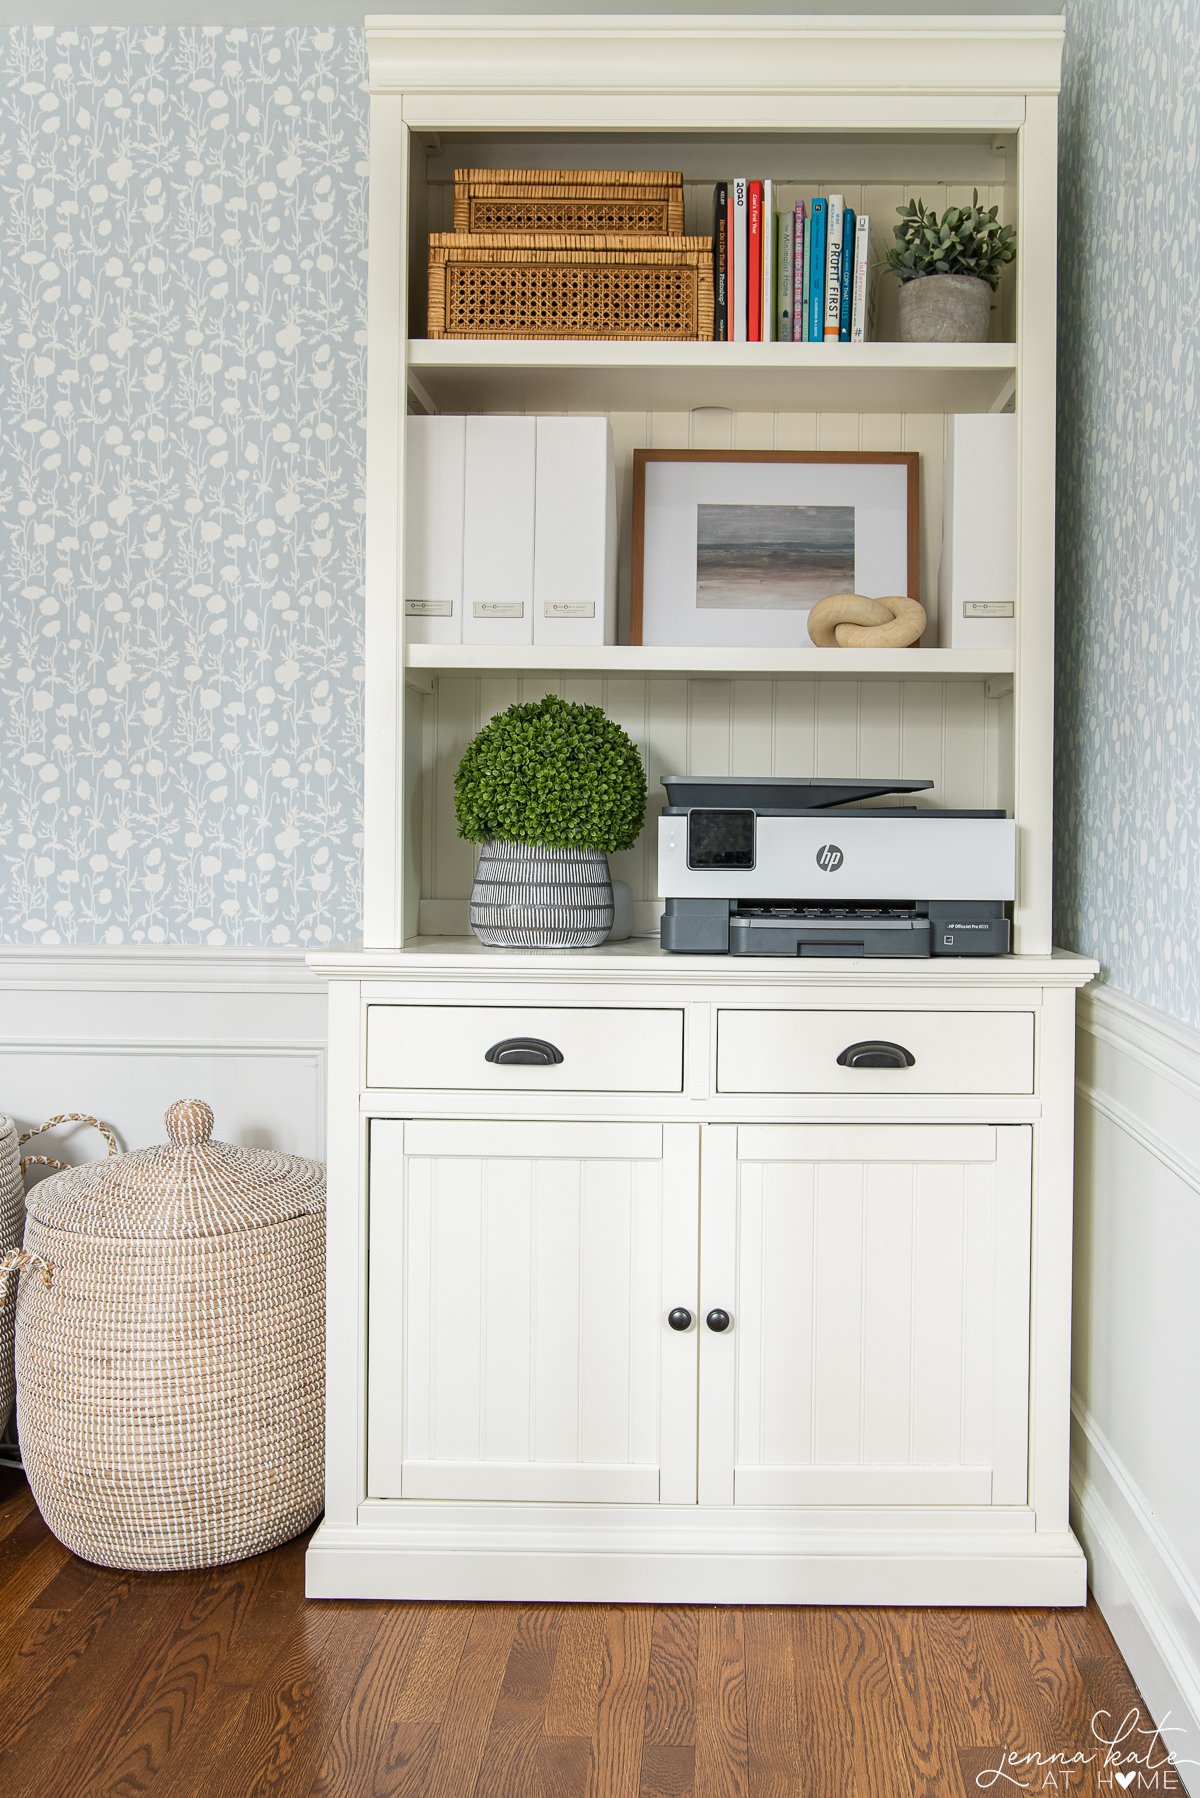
<point>732,548</point>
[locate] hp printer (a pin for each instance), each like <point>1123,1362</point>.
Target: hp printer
<point>784,867</point>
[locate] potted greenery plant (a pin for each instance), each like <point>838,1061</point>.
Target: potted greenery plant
<point>949,268</point>
<point>549,790</point>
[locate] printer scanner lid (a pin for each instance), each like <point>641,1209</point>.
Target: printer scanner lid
<point>777,793</point>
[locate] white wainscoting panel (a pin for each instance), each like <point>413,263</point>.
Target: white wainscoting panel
<point>1136,1429</point>
<point>120,1033</point>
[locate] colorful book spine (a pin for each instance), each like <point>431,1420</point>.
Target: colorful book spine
<point>785,275</point>
<point>816,273</point>
<point>799,292</point>
<point>738,251</point>
<point>754,262</point>
<point>833,268</point>
<point>858,310</point>
<point>768,262</point>
<point>847,295</point>
<point>721,262</point>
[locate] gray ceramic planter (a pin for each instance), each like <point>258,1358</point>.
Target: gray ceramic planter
<point>945,309</point>
<point>527,897</point>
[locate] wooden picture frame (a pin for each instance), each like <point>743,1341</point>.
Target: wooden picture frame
<point>642,458</point>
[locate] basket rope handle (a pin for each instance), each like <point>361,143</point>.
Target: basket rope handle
<point>64,1117</point>
<point>16,1262</point>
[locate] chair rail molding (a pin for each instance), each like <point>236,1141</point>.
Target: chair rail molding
<point>121,1032</point>
<point>1135,1463</point>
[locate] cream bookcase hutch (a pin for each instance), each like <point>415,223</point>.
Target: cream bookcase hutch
<point>862,1394</point>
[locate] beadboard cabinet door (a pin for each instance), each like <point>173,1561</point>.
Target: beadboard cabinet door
<point>877,1278</point>
<point>521,1275</point>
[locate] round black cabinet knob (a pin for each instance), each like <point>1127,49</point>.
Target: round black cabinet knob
<point>680,1318</point>
<point>718,1320</point>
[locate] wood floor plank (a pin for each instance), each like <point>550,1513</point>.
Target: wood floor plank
<point>772,1720</point>
<point>575,1681</point>
<point>722,1754</point>
<point>28,1534</point>
<point>859,1748</point>
<point>421,1704</point>
<point>1041,1640</point>
<point>426,1689</point>
<point>671,1681</point>
<point>25,1582</point>
<point>564,1766</point>
<point>669,1734</point>
<point>825,1745</point>
<point>621,1703</point>
<point>16,1501</point>
<point>356,1762</point>
<point>933,1731</point>
<point>511,1764</point>
<point>474,1694</point>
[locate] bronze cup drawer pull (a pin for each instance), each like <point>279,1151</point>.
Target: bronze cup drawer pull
<point>876,1055</point>
<point>529,1051</point>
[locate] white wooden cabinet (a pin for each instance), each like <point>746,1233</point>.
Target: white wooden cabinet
<point>878,1280</point>
<point>520,1275</point>
<point>884,1418</point>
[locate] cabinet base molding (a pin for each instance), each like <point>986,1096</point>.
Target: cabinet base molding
<point>882,1568</point>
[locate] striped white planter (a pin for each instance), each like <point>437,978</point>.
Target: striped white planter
<point>528,897</point>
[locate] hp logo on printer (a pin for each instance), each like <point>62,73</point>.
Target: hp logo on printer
<point>829,858</point>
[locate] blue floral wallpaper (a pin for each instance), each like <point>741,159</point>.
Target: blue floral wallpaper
<point>182,305</point>
<point>182,298</point>
<point>1128,756</point>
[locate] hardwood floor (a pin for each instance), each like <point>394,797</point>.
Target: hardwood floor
<point>216,1685</point>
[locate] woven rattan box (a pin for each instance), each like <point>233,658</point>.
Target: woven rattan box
<point>569,202</point>
<point>582,287</point>
<point>170,1350</point>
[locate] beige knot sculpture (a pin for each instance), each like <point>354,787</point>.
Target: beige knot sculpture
<point>851,621</point>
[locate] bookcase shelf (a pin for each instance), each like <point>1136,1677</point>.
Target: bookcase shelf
<point>637,660</point>
<point>489,375</point>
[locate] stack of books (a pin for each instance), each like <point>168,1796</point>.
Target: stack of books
<point>794,276</point>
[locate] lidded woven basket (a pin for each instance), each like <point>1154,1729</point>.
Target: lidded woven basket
<point>170,1350</point>
<point>12,1214</point>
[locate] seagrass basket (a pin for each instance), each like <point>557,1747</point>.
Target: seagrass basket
<point>170,1350</point>
<point>570,202</point>
<point>13,1166</point>
<point>582,287</point>
<point>12,1218</point>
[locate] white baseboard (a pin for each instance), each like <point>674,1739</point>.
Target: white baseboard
<point>1135,1462</point>
<point>120,1033</point>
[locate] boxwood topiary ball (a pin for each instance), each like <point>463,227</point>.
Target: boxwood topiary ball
<point>553,773</point>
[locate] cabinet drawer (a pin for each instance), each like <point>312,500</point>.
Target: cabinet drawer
<point>602,1049</point>
<point>951,1051</point>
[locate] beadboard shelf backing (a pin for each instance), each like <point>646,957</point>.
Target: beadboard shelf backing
<point>491,375</point>
<point>955,732</point>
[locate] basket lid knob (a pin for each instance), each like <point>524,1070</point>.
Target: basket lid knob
<point>189,1123</point>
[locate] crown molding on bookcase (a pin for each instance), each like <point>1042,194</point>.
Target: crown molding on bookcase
<point>570,55</point>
